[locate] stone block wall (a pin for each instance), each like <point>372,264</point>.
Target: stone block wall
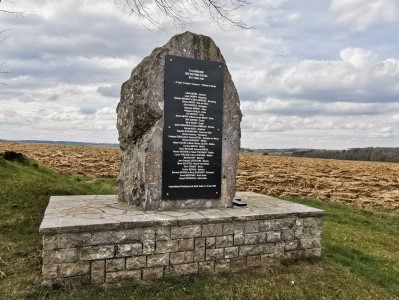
<point>142,254</point>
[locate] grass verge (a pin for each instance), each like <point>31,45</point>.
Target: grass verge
<point>25,188</point>
<point>365,241</point>
<point>360,251</point>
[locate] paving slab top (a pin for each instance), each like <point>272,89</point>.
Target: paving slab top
<point>104,212</point>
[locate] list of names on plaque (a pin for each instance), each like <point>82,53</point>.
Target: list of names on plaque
<point>192,136</point>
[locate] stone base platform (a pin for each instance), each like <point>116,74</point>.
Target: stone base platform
<point>96,239</point>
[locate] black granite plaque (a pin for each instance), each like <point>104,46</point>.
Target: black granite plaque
<point>192,135</point>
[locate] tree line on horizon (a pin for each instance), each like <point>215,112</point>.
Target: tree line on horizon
<point>363,154</point>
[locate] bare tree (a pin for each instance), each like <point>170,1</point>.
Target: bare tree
<point>3,37</point>
<point>16,13</point>
<point>11,12</point>
<point>159,13</point>
<point>3,65</point>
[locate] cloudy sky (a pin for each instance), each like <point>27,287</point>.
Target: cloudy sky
<point>311,74</point>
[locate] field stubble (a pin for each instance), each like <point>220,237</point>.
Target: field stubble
<point>366,184</point>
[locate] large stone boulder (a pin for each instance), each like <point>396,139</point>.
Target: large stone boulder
<point>140,126</point>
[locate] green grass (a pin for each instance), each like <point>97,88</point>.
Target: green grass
<point>25,189</point>
<point>360,251</point>
<point>365,241</point>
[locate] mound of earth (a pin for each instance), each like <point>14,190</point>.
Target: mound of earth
<point>13,156</point>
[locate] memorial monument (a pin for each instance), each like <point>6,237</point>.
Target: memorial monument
<point>179,128</point>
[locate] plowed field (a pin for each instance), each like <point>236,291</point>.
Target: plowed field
<point>89,161</point>
<point>361,183</point>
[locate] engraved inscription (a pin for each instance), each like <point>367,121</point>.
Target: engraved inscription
<point>193,120</point>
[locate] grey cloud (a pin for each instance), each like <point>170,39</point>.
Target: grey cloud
<point>87,110</point>
<point>72,32</point>
<point>284,107</point>
<point>361,15</point>
<point>109,91</point>
<point>297,109</point>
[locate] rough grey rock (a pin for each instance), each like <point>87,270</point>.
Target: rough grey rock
<point>140,125</point>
